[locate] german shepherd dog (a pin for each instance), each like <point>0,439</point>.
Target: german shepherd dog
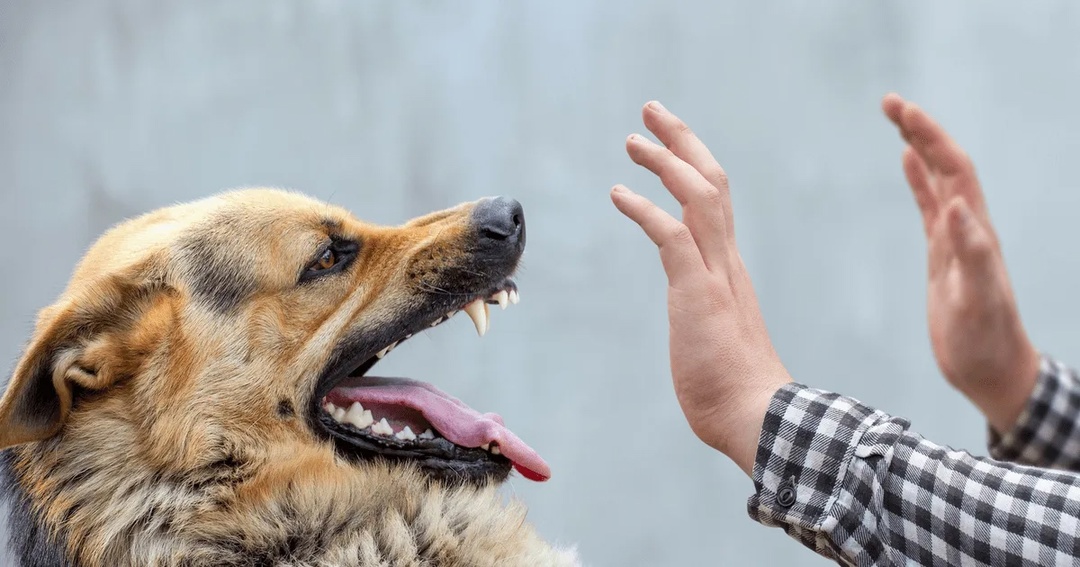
<point>200,395</point>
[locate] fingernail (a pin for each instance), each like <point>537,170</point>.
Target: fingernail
<point>635,138</point>
<point>620,189</point>
<point>657,107</point>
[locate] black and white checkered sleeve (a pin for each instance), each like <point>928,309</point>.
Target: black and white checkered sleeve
<point>1047,433</point>
<point>857,486</point>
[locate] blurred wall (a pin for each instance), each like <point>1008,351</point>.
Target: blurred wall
<point>112,107</point>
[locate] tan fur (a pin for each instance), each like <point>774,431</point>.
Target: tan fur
<point>148,423</point>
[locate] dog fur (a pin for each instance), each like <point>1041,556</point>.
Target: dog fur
<point>159,415</point>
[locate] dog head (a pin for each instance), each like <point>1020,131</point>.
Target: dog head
<point>251,319</point>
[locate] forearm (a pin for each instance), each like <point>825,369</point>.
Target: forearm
<point>856,485</point>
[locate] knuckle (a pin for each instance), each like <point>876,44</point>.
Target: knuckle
<point>718,176</point>
<point>680,235</point>
<point>981,247</point>
<point>712,196</point>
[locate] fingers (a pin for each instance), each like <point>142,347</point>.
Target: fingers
<point>973,246</point>
<point>893,106</point>
<point>918,178</point>
<point>677,137</point>
<point>944,158</point>
<point>703,212</point>
<point>678,251</point>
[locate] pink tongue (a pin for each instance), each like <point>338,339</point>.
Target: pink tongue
<point>454,420</point>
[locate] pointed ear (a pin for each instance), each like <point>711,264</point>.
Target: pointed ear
<point>88,340</point>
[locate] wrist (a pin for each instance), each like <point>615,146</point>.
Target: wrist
<point>1003,401</point>
<point>736,431</point>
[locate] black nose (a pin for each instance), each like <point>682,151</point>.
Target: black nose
<point>500,219</point>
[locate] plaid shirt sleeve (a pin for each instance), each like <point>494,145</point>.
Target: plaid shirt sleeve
<point>1047,433</point>
<point>857,486</point>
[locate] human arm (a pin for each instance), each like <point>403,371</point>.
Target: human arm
<point>854,472</point>
<point>1030,400</point>
<point>869,491</point>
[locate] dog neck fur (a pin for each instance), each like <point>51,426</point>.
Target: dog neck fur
<point>71,508</point>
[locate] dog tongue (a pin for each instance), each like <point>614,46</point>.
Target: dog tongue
<point>457,422</point>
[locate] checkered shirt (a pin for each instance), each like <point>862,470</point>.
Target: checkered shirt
<point>859,487</point>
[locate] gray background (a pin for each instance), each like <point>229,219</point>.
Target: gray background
<point>110,107</point>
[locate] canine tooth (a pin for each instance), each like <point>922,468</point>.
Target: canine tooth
<point>478,312</point>
<point>437,321</point>
<point>382,428</point>
<point>339,414</point>
<point>495,450</point>
<point>406,434</point>
<point>514,296</point>
<point>427,434</point>
<point>503,298</point>
<point>486,446</point>
<point>408,336</point>
<point>329,407</point>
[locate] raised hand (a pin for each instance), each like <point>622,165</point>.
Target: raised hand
<point>975,329</point>
<point>723,364</point>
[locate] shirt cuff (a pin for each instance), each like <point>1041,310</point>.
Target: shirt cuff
<point>807,441</point>
<point>1047,433</point>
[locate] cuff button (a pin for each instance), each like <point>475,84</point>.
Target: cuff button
<point>785,495</point>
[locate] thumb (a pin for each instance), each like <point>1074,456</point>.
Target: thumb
<point>972,244</point>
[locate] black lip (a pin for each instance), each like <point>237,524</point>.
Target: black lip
<point>439,458</point>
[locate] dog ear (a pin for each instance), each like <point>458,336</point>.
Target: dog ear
<point>88,340</point>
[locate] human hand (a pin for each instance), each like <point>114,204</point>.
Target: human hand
<point>975,329</point>
<point>723,364</point>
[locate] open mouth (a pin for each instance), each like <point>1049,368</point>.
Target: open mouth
<point>399,418</point>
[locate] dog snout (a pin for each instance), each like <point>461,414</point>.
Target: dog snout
<point>500,222</point>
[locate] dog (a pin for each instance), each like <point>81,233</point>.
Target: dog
<point>200,394</point>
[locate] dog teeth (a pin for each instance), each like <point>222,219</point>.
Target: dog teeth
<point>387,350</point>
<point>338,414</point>
<point>478,312</point>
<point>495,449</point>
<point>358,416</point>
<point>427,434</point>
<point>406,434</point>
<point>502,298</point>
<point>486,446</point>
<point>514,296</point>
<point>382,428</point>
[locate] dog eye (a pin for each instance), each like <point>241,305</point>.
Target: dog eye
<point>335,258</point>
<point>326,261</point>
